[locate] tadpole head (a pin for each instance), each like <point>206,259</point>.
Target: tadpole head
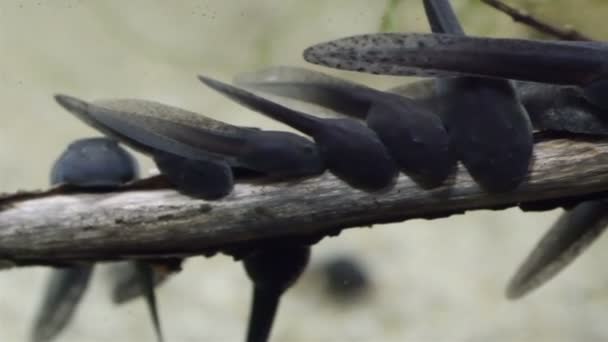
<point>355,154</point>
<point>276,267</point>
<point>94,162</point>
<point>283,154</point>
<point>416,140</point>
<point>206,179</point>
<point>597,94</point>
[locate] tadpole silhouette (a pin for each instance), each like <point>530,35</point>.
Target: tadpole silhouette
<point>414,136</point>
<point>206,179</point>
<point>272,269</point>
<point>488,126</point>
<point>197,153</point>
<point>579,63</point>
<point>561,108</point>
<point>556,108</point>
<point>575,69</point>
<point>351,151</point>
<point>570,235</point>
<point>94,164</point>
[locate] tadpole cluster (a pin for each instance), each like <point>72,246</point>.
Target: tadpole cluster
<point>486,98</point>
<point>93,164</point>
<point>560,84</point>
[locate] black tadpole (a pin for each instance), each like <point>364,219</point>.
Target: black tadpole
<point>489,128</point>
<point>414,136</point>
<point>272,270</point>
<point>351,151</point>
<point>93,163</point>
<point>206,179</point>
<point>570,235</point>
<point>580,63</point>
<point>147,280</point>
<point>444,54</point>
<point>87,163</point>
<point>556,108</point>
<point>161,130</point>
<point>64,291</point>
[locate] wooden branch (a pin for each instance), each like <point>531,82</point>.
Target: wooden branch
<point>55,229</point>
<point>537,24</point>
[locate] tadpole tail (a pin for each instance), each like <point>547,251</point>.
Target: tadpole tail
<point>264,307</point>
<point>572,233</point>
<point>449,55</point>
<point>127,284</point>
<point>305,123</point>
<point>64,292</point>
<point>311,86</point>
<point>441,17</point>
<point>146,276</point>
<point>150,134</point>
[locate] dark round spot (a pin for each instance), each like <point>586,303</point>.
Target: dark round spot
<point>345,278</point>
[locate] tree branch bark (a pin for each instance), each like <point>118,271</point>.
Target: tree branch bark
<point>64,228</point>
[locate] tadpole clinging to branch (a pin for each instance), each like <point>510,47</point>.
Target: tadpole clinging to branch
<point>414,136</point>
<point>488,126</point>
<point>93,164</point>
<point>556,62</point>
<point>351,151</point>
<point>498,166</point>
<point>189,146</point>
<point>556,108</point>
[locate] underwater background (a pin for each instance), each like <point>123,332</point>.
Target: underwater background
<point>440,280</point>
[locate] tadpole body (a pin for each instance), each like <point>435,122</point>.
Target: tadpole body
<point>172,133</point>
<point>93,163</point>
<point>556,108</point>
<point>579,63</point>
<point>351,151</point>
<point>206,179</point>
<point>570,235</point>
<point>414,136</point>
<point>488,126</point>
<point>272,269</point>
<point>451,55</point>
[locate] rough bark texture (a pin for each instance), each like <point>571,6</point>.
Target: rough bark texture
<point>58,228</point>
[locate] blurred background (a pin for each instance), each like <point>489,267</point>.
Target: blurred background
<point>440,280</point>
